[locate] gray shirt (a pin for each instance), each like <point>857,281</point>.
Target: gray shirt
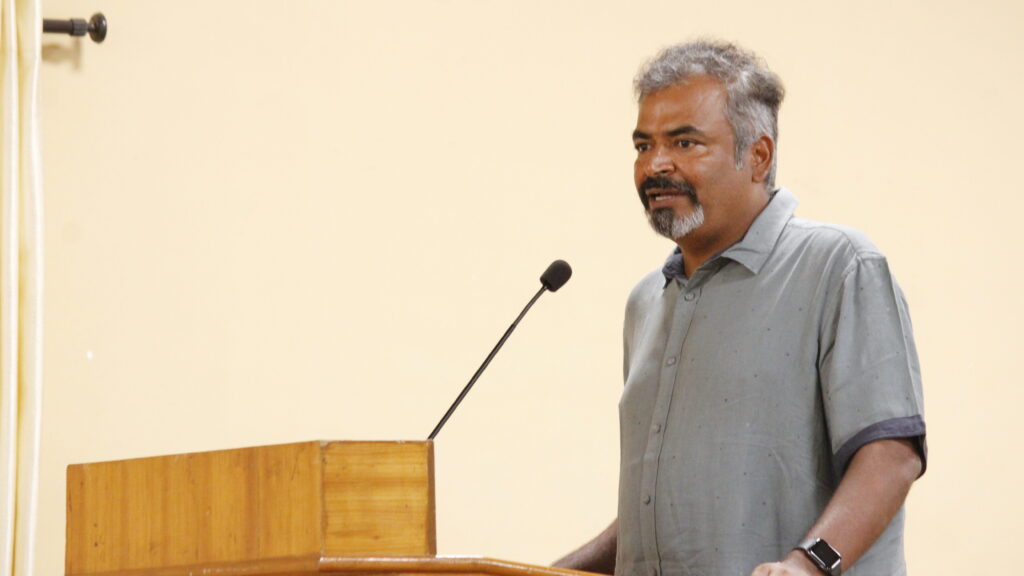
<point>749,387</point>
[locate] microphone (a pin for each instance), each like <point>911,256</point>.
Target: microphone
<point>557,274</point>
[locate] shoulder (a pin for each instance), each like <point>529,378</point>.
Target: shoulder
<point>650,286</point>
<point>846,269</point>
<point>835,236</point>
<point>642,302</point>
<point>840,247</point>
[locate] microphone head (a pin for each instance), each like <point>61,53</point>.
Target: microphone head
<point>557,274</point>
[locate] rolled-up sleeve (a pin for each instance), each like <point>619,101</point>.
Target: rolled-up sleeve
<point>870,376</point>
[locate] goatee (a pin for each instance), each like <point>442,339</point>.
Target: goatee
<point>665,222</point>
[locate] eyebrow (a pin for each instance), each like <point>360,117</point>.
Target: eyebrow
<point>687,129</point>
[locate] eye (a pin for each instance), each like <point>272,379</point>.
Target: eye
<point>641,146</point>
<point>685,143</point>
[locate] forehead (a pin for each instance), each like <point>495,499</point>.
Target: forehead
<point>699,102</point>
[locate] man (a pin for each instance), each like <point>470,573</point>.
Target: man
<point>772,393</point>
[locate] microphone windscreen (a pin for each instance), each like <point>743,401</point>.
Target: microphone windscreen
<point>557,274</point>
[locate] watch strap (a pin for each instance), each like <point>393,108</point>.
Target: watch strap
<point>822,555</point>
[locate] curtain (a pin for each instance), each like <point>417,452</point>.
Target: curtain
<point>21,272</point>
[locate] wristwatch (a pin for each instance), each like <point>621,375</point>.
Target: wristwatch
<point>824,556</point>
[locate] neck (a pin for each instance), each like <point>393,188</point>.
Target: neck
<point>701,245</point>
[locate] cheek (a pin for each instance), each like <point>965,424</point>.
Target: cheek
<point>702,177</point>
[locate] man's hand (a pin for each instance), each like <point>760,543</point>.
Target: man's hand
<point>598,555</point>
<point>779,569</point>
<point>795,564</point>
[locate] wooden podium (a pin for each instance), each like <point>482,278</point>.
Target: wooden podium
<point>360,508</point>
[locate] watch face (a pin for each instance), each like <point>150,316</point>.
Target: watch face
<point>822,550</point>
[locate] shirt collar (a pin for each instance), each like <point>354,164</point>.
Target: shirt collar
<point>756,245</point>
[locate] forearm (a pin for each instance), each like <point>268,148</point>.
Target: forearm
<point>598,555</point>
<point>868,497</point>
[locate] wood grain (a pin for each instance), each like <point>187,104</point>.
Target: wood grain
<point>261,508</point>
<point>379,499</point>
<point>438,565</point>
<point>350,566</point>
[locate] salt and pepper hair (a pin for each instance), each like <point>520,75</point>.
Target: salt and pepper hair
<point>753,92</point>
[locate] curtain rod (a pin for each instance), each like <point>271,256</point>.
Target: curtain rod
<point>96,27</point>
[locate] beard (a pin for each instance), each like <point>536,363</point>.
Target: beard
<point>665,222</point>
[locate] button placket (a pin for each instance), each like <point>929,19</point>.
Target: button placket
<point>682,316</point>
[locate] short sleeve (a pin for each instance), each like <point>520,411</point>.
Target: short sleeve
<point>870,376</point>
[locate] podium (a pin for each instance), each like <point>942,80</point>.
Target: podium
<point>358,508</point>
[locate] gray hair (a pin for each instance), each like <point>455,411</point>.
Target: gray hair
<point>753,92</point>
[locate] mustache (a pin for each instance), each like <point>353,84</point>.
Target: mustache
<point>666,183</point>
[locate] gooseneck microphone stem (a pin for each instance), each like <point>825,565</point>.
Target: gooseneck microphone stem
<point>487,361</point>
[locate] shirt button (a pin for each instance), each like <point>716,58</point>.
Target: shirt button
<point>654,572</point>
<point>657,427</point>
<point>671,361</point>
<point>689,296</point>
<point>647,499</point>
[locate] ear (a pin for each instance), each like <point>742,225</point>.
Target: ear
<point>762,152</point>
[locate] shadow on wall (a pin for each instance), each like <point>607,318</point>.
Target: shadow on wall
<point>59,54</point>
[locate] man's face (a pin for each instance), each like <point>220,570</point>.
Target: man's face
<point>685,169</point>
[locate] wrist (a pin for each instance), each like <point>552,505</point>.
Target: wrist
<point>798,560</point>
<point>821,555</point>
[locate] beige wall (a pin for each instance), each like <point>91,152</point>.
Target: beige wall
<point>271,222</point>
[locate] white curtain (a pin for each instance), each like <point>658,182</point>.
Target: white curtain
<point>21,281</point>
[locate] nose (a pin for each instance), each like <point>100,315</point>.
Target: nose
<point>660,162</point>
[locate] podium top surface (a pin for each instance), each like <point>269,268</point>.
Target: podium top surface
<point>314,565</point>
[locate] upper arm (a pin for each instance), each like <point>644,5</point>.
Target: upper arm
<point>870,376</point>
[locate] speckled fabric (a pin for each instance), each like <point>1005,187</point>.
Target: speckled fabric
<point>748,388</point>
